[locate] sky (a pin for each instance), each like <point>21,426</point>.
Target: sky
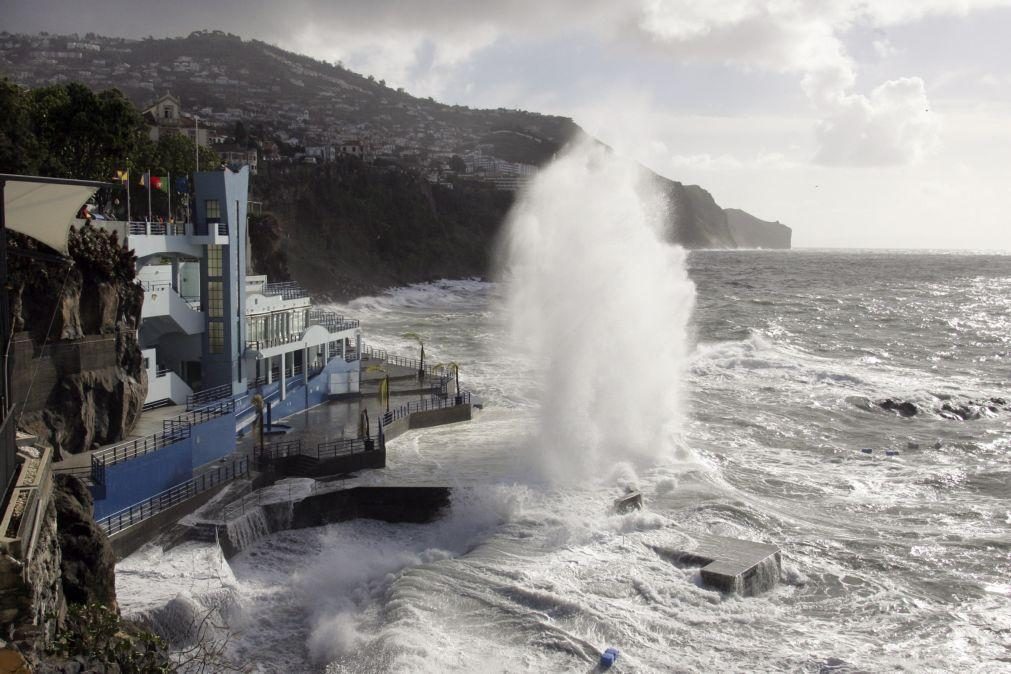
<point>859,123</point>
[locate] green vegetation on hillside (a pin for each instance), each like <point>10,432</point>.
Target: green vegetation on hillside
<point>70,131</point>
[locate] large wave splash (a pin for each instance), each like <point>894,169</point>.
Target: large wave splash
<point>601,303</point>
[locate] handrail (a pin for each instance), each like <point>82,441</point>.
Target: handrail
<point>138,512</point>
<point>130,449</point>
<point>393,359</point>
<point>208,395</point>
<point>173,430</point>
<point>433,403</point>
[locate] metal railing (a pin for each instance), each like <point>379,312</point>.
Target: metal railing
<point>138,512</point>
<point>288,290</point>
<point>173,430</point>
<point>155,286</point>
<point>435,402</point>
<point>332,321</point>
<point>393,359</point>
<point>130,449</point>
<point>208,395</point>
<point>142,228</point>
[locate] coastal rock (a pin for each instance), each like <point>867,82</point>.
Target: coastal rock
<point>902,408</point>
<point>77,360</point>
<point>88,562</point>
<point>751,232</point>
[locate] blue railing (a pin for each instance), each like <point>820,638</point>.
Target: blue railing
<point>180,493</point>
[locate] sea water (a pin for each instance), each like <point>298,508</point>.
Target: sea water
<point>889,563</point>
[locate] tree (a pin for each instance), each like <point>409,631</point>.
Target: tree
<point>82,134</point>
<point>19,149</point>
<point>457,164</point>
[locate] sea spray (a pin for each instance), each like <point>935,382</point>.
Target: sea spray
<point>600,303</point>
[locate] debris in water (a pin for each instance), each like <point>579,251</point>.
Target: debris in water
<point>630,501</point>
<point>608,658</point>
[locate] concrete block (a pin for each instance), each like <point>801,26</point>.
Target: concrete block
<point>730,565</point>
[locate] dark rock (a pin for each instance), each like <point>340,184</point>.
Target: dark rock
<point>89,564</point>
<point>902,408</point>
<point>630,501</point>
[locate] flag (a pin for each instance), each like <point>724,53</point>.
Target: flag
<point>160,183</point>
<point>182,185</point>
<point>123,176</point>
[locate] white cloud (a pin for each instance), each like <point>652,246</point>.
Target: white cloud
<point>894,125</point>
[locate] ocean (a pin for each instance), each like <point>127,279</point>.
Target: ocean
<point>897,563</point>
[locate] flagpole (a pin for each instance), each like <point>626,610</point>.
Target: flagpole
<point>128,195</point>
<point>170,196</point>
<point>150,215</point>
<point>196,142</point>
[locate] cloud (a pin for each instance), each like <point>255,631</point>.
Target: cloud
<point>894,125</point>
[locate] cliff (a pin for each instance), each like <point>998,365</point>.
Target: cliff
<point>751,232</point>
<point>76,357</point>
<point>347,228</point>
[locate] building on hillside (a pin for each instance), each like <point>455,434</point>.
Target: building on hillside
<point>165,117</point>
<point>234,155</point>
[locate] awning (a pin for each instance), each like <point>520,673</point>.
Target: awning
<point>45,208</point>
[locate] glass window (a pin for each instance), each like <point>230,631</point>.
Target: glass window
<point>213,260</point>
<point>216,336</point>
<point>212,208</point>
<point>215,299</point>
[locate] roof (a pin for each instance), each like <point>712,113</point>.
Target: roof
<point>45,208</point>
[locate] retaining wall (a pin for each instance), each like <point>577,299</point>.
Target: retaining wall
<point>388,504</point>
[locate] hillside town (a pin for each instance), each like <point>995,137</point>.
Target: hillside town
<point>287,109</point>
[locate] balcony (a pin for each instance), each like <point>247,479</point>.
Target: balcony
<point>165,310</point>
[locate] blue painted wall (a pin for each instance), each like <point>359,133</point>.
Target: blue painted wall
<point>212,440</point>
<point>133,481</point>
<point>138,479</point>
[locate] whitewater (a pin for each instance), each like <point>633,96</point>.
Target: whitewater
<point>742,411</point>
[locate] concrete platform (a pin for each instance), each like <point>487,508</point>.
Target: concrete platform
<point>730,565</point>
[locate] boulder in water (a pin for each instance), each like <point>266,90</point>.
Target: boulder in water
<point>903,408</point>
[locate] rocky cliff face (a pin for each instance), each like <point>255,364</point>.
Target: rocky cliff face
<point>77,360</point>
<point>751,232</point>
<point>349,228</point>
<point>87,563</point>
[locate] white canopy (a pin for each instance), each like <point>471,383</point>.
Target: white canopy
<point>45,208</point>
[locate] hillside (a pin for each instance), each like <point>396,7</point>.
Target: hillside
<point>751,232</point>
<point>420,162</point>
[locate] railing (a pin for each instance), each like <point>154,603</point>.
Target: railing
<point>277,450</point>
<point>156,228</point>
<point>130,449</point>
<point>433,403</point>
<point>173,496</point>
<point>155,286</point>
<point>173,430</point>
<point>208,396</point>
<point>332,321</point>
<point>288,290</point>
<point>381,354</point>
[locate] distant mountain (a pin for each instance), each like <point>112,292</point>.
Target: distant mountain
<point>292,105</point>
<point>750,232</point>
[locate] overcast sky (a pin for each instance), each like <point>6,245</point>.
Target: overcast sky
<point>860,123</point>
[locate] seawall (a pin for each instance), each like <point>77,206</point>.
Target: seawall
<point>416,505</point>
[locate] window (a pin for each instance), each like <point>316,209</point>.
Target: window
<point>215,299</point>
<point>214,260</point>
<point>168,111</point>
<point>216,337</point>
<point>212,208</point>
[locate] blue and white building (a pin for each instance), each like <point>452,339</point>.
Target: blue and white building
<point>209,330</point>
<point>213,337</point>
